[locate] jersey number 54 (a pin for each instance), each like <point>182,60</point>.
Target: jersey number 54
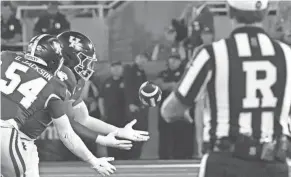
<point>29,89</point>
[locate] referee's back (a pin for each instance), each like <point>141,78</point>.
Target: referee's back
<point>250,87</point>
<point>248,79</point>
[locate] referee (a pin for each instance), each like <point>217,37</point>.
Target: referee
<point>247,77</point>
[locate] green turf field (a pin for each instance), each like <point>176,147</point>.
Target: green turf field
<point>145,168</point>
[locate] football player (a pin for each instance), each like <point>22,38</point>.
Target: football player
<point>79,53</point>
<point>84,130</point>
<point>28,85</point>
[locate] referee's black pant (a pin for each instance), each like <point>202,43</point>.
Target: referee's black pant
<point>223,164</point>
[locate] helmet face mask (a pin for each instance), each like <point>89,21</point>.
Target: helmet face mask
<point>85,68</point>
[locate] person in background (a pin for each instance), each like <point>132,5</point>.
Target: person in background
<point>162,50</point>
<point>112,103</point>
<point>176,35</point>
<point>11,29</point>
<point>175,139</point>
<point>172,42</point>
<point>196,15</point>
<point>193,39</point>
<point>184,38</point>
<point>134,77</point>
<point>53,22</point>
<point>207,35</point>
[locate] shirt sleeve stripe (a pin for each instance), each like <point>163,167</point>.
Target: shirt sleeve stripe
<point>193,71</point>
<point>49,98</point>
<point>203,87</point>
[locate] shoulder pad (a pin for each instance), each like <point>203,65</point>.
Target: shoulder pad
<point>60,88</point>
<point>67,76</point>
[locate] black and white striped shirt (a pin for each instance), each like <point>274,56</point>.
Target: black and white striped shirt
<point>248,80</point>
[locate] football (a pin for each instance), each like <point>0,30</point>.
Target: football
<point>150,94</point>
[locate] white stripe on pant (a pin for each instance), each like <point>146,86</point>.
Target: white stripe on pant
<point>18,155</point>
<point>203,163</point>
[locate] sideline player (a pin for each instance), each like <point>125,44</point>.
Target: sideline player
<point>79,67</point>
<point>248,79</point>
<point>28,85</point>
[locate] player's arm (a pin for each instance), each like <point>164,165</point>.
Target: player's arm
<point>71,140</point>
<point>82,116</point>
<point>94,136</point>
<point>83,131</point>
<point>191,87</point>
<point>108,140</point>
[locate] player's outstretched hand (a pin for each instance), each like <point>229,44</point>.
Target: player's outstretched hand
<point>102,166</point>
<point>111,141</point>
<point>134,135</point>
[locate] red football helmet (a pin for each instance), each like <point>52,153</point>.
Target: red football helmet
<point>45,50</point>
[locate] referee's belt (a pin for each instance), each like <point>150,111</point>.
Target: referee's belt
<point>247,148</point>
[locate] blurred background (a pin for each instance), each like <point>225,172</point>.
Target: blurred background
<point>149,40</point>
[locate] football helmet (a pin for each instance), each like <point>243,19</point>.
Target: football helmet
<point>45,50</point>
<point>79,53</point>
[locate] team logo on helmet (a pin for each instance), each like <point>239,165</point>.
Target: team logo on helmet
<point>57,47</point>
<point>75,43</point>
<point>85,68</point>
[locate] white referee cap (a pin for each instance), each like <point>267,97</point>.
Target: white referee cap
<point>249,5</point>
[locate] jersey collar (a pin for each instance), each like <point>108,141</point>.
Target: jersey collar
<point>248,29</point>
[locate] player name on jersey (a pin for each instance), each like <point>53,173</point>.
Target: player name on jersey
<point>39,70</point>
